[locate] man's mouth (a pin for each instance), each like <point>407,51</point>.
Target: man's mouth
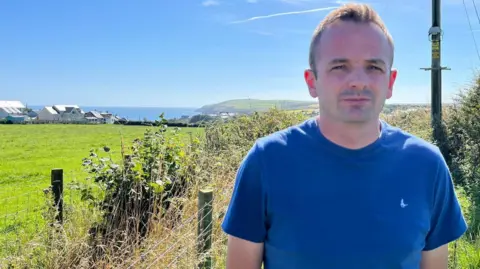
<point>356,99</point>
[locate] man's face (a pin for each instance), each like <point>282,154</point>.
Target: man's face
<point>353,72</point>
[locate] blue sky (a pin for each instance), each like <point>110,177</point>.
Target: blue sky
<point>174,53</point>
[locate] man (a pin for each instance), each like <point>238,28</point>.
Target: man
<point>345,189</point>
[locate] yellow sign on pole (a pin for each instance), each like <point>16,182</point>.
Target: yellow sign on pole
<point>436,49</point>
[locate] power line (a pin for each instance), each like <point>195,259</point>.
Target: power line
<point>471,30</point>
<point>475,6</point>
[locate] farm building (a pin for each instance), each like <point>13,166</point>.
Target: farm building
<point>15,118</point>
<point>32,114</point>
<point>70,113</point>
<point>109,118</point>
<point>94,116</point>
<point>62,113</point>
<point>48,114</point>
<point>120,120</point>
<point>100,117</point>
<point>13,108</point>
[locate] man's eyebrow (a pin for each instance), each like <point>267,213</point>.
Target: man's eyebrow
<point>377,61</point>
<point>338,61</point>
<point>371,61</point>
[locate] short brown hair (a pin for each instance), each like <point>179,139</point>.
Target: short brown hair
<point>354,12</point>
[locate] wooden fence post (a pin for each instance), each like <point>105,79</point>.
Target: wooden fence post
<point>455,255</point>
<point>204,240</point>
<point>57,188</point>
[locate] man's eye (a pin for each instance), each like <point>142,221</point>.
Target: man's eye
<point>375,68</point>
<point>338,67</point>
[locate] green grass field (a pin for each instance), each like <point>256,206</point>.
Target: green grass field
<point>29,152</point>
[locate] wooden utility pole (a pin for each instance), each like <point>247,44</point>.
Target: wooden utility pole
<point>435,33</point>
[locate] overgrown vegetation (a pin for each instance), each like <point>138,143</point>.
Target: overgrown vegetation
<point>463,131</point>
<point>135,191</point>
<point>143,213</point>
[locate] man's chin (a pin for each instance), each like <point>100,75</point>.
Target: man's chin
<point>357,118</point>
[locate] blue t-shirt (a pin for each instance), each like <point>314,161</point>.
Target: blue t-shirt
<point>315,204</point>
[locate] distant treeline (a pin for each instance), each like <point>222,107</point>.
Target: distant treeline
<point>389,108</point>
<point>132,123</point>
<point>157,123</point>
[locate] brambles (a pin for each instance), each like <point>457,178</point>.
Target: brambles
<point>136,190</point>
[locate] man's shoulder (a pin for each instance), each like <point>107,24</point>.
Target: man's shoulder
<point>412,145</point>
<point>297,133</point>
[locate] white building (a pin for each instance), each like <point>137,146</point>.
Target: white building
<point>13,108</point>
<point>70,113</point>
<point>109,118</point>
<point>62,113</point>
<point>94,117</point>
<point>48,113</point>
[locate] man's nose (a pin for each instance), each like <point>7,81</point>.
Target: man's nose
<point>358,79</point>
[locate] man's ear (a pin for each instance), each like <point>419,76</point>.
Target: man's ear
<point>391,82</point>
<point>393,77</point>
<point>310,80</point>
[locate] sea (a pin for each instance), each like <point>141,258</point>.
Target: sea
<point>139,113</point>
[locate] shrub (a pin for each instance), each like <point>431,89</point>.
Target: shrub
<point>463,128</point>
<point>239,133</point>
<point>141,188</point>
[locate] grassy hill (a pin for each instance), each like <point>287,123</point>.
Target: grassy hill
<point>251,105</point>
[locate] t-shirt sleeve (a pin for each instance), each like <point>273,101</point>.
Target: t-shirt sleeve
<point>245,216</point>
<point>447,222</point>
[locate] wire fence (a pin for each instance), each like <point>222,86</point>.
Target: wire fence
<point>197,240</point>
<point>19,201</point>
<point>20,213</point>
<point>188,247</point>
<point>21,208</point>
<point>26,208</point>
<point>26,215</point>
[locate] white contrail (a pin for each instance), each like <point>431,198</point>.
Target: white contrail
<point>285,14</point>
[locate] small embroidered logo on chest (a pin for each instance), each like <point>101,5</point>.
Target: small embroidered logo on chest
<point>402,204</point>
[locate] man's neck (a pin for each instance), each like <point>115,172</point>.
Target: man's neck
<point>352,136</point>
